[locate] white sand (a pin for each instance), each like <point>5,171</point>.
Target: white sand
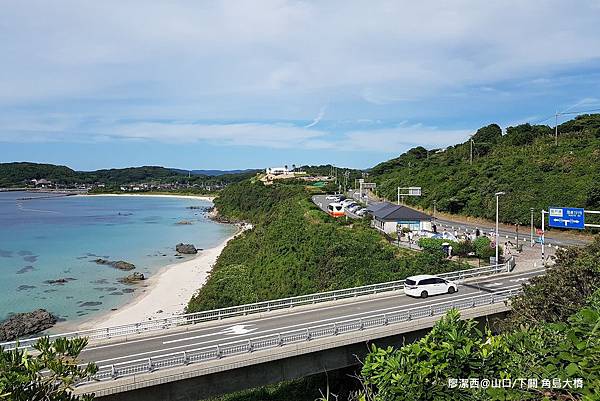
<point>198,197</point>
<point>168,291</point>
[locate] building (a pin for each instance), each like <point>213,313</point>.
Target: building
<point>389,218</point>
<point>278,170</point>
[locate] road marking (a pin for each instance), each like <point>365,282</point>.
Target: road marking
<point>238,329</point>
<point>493,284</point>
<point>516,280</point>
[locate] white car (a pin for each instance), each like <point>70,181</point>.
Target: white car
<point>361,212</point>
<point>425,285</point>
<point>347,202</point>
<point>352,208</point>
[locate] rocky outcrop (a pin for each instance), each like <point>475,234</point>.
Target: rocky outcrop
<point>119,264</point>
<point>184,223</point>
<point>24,324</point>
<point>60,281</point>
<point>187,249</point>
<point>132,278</point>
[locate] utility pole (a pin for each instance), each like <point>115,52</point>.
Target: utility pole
<point>398,196</point>
<point>543,236</point>
<point>531,237</point>
<point>556,130</point>
<point>434,204</point>
<point>471,153</point>
<point>497,195</point>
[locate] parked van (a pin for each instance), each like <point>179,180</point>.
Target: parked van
<point>335,209</point>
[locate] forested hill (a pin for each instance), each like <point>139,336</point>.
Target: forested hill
<point>524,162</point>
<point>21,173</point>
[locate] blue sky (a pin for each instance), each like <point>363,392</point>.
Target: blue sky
<point>254,83</point>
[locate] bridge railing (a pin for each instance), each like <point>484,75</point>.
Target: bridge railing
<point>249,345</point>
<point>258,307</point>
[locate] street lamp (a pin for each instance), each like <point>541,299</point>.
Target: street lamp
<point>497,195</point>
<point>531,237</point>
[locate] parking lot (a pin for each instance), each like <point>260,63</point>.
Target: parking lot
<point>322,203</point>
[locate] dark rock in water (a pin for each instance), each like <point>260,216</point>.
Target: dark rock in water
<point>90,303</point>
<point>25,287</point>
<point>24,324</point>
<point>60,281</point>
<point>119,264</point>
<point>187,249</point>
<point>100,281</point>
<point>128,290</point>
<point>184,223</point>
<point>5,254</point>
<point>25,253</point>
<point>116,293</point>
<point>25,269</point>
<point>30,259</point>
<point>132,278</point>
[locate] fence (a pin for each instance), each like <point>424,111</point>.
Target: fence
<point>182,358</point>
<point>259,307</point>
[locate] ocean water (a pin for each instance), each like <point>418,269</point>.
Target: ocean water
<point>53,238</point>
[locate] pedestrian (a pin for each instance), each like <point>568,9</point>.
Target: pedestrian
<point>477,232</point>
<point>455,233</point>
<point>450,251</point>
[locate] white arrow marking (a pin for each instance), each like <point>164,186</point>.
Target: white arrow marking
<point>237,329</point>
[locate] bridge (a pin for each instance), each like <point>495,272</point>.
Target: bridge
<point>194,356</point>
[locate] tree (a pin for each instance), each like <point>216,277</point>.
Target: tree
<point>48,375</point>
<point>525,134</point>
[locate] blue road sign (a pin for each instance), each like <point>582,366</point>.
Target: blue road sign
<point>566,217</point>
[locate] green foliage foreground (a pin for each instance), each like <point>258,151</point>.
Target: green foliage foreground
<point>47,374</point>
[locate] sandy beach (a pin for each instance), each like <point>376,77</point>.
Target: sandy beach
<point>165,293</point>
<point>198,197</point>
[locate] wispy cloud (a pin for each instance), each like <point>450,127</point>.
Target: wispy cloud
<point>318,118</point>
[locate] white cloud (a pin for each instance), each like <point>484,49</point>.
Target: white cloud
<point>66,62</point>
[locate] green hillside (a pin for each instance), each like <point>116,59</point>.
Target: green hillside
<point>20,174</point>
<point>295,248</point>
<point>525,163</point>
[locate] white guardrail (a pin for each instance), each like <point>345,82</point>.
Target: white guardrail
<point>259,307</point>
<point>182,358</point>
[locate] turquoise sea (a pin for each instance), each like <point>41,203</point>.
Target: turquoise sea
<point>52,238</point>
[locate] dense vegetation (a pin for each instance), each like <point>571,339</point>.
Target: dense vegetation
<point>20,174</point>
<point>47,374</point>
<point>525,163</point>
<point>295,248</point>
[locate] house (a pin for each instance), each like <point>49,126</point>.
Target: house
<point>388,218</point>
<point>41,183</point>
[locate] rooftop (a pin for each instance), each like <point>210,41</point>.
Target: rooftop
<point>391,212</point>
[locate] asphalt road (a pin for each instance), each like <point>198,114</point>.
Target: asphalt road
<point>203,335</point>
<point>524,234</point>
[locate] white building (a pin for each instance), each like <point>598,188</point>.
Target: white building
<point>278,170</point>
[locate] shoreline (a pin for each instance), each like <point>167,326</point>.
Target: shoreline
<point>164,294</point>
<point>197,197</point>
